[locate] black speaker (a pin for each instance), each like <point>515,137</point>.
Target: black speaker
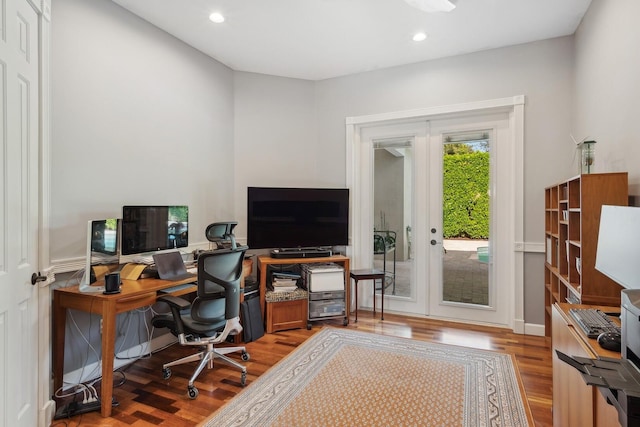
<point>112,283</point>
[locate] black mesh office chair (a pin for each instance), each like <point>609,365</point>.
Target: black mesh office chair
<point>211,317</point>
<point>221,233</point>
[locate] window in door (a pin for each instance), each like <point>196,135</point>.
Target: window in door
<point>393,192</point>
<point>466,217</point>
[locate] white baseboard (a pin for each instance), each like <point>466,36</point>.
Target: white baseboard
<point>46,413</point>
<point>534,329</point>
<point>94,370</point>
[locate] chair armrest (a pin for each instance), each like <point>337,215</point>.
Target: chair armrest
<point>174,301</point>
<point>176,304</point>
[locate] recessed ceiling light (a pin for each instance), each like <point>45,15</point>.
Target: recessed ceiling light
<point>216,17</point>
<point>418,37</point>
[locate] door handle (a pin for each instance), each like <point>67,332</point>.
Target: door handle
<point>35,278</point>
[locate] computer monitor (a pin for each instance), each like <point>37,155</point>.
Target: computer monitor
<point>148,229</point>
<point>103,253</point>
<point>618,251</point>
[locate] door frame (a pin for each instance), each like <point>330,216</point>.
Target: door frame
<point>46,405</point>
<point>360,194</point>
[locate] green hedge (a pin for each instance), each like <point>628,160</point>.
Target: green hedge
<point>466,195</point>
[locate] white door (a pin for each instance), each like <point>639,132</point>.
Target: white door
<point>468,242</point>
<point>19,200</point>
<point>392,196</point>
<point>424,130</point>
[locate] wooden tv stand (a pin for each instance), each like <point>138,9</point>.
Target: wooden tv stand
<point>265,261</point>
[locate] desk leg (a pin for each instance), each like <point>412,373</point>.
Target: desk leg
<point>59,328</point>
<point>108,349</point>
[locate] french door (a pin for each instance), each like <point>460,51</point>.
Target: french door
<point>409,148</point>
<point>468,201</point>
<point>394,191</point>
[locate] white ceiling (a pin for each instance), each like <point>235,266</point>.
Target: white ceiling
<point>320,39</point>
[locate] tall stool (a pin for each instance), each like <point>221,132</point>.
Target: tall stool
<point>369,274</point>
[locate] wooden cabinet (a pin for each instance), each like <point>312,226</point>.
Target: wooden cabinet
<point>282,315</point>
<point>576,404</point>
<point>572,220</point>
<point>292,316</point>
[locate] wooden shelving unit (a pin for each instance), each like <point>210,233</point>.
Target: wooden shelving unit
<point>572,220</point>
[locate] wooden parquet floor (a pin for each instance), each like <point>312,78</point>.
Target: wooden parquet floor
<point>145,399</point>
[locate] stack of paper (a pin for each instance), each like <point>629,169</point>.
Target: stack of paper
<point>284,282</point>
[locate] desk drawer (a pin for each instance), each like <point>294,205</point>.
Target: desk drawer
<point>135,301</point>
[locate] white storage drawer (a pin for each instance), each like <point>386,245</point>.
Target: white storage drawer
<point>325,308</point>
<point>323,277</point>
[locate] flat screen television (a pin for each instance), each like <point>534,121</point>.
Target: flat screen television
<point>297,217</point>
<point>147,229</point>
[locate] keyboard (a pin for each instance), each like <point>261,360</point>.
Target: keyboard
<point>593,321</point>
<point>177,288</point>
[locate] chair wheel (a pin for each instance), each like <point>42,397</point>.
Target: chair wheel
<point>345,322</point>
<point>245,356</point>
<point>192,391</point>
<point>308,326</point>
<point>166,373</point>
<point>243,379</point>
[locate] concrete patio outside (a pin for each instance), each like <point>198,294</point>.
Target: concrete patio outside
<point>466,279</point>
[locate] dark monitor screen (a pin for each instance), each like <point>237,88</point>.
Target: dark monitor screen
<point>297,217</point>
<point>104,236</point>
<point>154,228</point>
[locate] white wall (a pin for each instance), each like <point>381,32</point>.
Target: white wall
<point>607,86</point>
<point>542,71</point>
<point>276,141</point>
<point>138,117</point>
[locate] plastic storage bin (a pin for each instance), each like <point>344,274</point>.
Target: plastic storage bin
<point>483,254</point>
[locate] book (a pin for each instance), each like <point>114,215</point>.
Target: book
<point>284,288</point>
<point>284,275</point>
<point>284,282</point>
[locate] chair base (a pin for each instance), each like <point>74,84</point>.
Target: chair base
<point>206,358</point>
<point>209,353</point>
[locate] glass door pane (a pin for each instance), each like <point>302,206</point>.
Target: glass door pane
<point>393,195</point>
<point>466,218</point>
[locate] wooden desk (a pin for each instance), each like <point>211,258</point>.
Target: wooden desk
<point>134,294</point>
<point>576,404</point>
<point>265,261</point>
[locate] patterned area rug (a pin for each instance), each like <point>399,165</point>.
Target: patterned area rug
<point>342,377</point>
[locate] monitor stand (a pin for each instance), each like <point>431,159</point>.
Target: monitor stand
<point>301,253</point>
